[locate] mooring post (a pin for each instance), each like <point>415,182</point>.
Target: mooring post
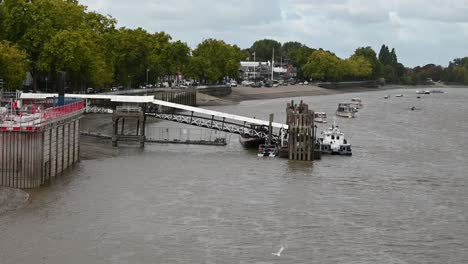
<point>270,129</point>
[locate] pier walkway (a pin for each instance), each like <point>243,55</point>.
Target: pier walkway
<point>190,115</point>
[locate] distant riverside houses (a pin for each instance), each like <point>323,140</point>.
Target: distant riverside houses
<point>250,70</point>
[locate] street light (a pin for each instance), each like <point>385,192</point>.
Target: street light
<point>130,79</point>
<point>147,71</point>
<point>46,84</point>
<point>255,68</point>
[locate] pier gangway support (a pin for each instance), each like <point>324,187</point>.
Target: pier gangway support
<point>119,116</point>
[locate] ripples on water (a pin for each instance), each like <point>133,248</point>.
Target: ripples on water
<point>401,198</point>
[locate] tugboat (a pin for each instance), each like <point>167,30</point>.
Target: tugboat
<point>346,110</point>
<point>334,142</point>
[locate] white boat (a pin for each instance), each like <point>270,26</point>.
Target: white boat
<point>386,97</point>
<point>267,151</point>
<point>357,102</point>
<point>346,110</point>
<point>320,117</point>
<point>419,92</point>
<point>399,95</point>
<point>333,141</point>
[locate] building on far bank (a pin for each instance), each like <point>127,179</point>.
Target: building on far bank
<point>250,70</point>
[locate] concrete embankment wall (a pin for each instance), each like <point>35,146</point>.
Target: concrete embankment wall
<point>215,90</point>
<point>30,159</point>
<point>343,85</point>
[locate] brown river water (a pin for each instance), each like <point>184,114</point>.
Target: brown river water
<point>401,198</point>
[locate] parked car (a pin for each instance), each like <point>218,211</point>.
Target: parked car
<point>90,91</point>
<point>233,83</point>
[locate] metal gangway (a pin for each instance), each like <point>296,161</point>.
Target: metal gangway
<point>215,120</point>
<point>189,115</point>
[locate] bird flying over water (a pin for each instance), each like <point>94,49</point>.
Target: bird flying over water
<point>278,254</point>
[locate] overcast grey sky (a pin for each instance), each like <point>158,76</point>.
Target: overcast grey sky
<point>421,31</point>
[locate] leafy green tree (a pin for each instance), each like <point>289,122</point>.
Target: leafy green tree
<point>264,49</point>
<point>290,46</point>
<point>325,66</point>
<point>371,56</point>
<point>389,60</point>
<point>134,55</point>
<point>77,54</point>
<point>357,68</point>
<point>297,54</point>
<point>32,24</point>
<point>214,59</point>
<point>384,55</point>
<point>173,58</point>
<point>13,66</point>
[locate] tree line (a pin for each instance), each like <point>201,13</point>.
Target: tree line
<point>45,37</point>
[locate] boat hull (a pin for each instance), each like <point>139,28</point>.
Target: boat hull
<point>250,142</point>
<point>345,114</point>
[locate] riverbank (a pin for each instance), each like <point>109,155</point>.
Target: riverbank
<point>12,199</point>
<point>247,93</point>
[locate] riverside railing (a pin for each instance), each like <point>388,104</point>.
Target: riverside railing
<point>33,116</point>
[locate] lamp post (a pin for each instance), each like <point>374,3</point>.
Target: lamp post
<point>130,82</point>
<point>255,69</point>
<point>46,84</point>
<point>147,71</point>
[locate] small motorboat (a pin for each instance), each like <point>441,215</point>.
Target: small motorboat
<point>346,110</point>
<point>387,96</point>
<point>267,151</point>
<point>357,102</point>
<point>399,95</point>
<point>320,117</point>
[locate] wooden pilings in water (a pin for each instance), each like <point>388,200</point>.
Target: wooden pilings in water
<point>301,138</point>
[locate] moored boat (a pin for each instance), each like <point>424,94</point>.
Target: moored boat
<point>267,151</point>
<point>357,102</point>
<point>249,140</point>
<point>346,110</point>
<point>399,95</point>
<point>333,142</point>
<point>320,117</point>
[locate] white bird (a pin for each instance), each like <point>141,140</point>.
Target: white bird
<point>278,254</point>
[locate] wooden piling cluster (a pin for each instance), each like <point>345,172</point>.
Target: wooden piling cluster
<point>29,159</point>
<point>300,121</point>
<point>128,113</point>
